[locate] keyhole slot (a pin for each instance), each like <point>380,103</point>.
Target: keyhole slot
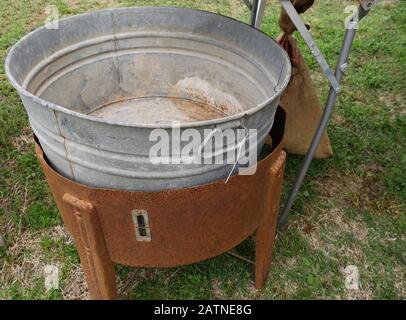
<point>141,223</point>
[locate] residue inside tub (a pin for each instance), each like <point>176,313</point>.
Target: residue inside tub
<point>189,100</point>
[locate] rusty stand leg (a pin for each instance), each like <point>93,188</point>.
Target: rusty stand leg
<point>97,265</point>
<point>265,234</point>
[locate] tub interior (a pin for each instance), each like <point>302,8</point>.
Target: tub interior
<point>145,66</point>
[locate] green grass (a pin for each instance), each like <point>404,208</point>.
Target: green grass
<point>350,211</point>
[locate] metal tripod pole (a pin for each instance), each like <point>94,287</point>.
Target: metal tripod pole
<point>257,8</point>
<point>332,97</point>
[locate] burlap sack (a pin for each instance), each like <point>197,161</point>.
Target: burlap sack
<point>302,106</point>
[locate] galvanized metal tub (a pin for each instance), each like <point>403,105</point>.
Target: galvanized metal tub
<point>95,88</point>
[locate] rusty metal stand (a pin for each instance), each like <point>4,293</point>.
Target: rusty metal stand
<point>96,263</point>
<point>265,234</point>
<point>82,220</point>
<point>180,226</point>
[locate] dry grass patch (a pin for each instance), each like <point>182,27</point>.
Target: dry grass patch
<point>23,142</point>
<point>25,259</point>
<point>354,191</point>
<point>75,287</point>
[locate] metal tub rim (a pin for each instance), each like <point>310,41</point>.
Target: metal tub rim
<point>214,122</point>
